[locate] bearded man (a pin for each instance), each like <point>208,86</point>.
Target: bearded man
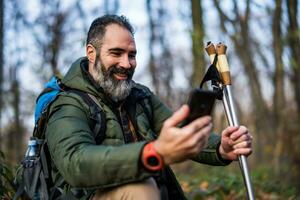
<point>142,136</point>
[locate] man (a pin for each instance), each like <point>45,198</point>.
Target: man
<point>132,162</point>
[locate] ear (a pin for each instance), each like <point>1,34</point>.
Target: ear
<point>91,53</point>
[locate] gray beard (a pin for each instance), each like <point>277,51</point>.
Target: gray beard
<point>118,90</point>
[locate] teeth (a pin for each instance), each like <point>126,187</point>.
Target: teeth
<point>120,76</point>
<point>123,75</point>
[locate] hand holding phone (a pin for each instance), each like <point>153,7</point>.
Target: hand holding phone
<point>201,103</point>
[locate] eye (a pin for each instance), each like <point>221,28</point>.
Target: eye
<point>116,53</point>
<point>131,56</point>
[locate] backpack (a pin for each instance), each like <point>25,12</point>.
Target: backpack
<point>33,177</point>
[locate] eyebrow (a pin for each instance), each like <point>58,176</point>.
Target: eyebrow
<point>119,50</point>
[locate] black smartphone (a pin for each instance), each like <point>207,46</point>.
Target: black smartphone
<point>201,103</point>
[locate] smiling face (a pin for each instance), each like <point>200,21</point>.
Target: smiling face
<point>113,66</point>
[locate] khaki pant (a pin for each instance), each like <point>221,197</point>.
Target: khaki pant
<point>145,190</point>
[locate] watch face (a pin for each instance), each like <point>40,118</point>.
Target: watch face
<point>153,161</point>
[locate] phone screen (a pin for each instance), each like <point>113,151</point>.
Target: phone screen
<point>201,103</point>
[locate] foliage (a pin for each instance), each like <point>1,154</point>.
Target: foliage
<point>206,182</point>
<point>201,182</point>
<point>6,179</point>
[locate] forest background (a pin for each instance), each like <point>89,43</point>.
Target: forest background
<point>39,38</point>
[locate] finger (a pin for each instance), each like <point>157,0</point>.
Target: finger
<point>203,134</point>
<point>242,130</point>
<point>200,146</point>
<point>244,144</point>
<point>242,138</point>
<point>198,140</point>
<point>177,116</point>
<point>197,124</point>
<point>243,151</point>
<point>250,136</point>
<point>193,140</point>
<point>229,130</point>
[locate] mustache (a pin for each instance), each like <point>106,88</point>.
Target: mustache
<point>120,70</point>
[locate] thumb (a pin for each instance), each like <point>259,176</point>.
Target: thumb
<point>178,116</point>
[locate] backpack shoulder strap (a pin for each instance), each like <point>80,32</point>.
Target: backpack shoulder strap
<point>147,107</point>
<point>141,95</point>
<point>96,112</point>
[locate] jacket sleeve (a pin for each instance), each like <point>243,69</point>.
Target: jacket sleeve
<point>79,160</point>
<point>210,154</point>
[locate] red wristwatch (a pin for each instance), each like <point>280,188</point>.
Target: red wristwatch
<point>151,159</point>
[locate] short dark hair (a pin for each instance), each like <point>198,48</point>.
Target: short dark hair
<point>98,28</point>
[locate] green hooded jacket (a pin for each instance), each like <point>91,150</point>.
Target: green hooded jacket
<point>78,162</point>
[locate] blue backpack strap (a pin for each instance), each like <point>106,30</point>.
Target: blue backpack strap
<point>52,88</point>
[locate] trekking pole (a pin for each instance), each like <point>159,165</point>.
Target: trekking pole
<point>228,103</point>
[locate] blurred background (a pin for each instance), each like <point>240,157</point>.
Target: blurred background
<point>39,38</point>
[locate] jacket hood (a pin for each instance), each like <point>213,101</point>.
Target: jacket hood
<point>78,77</point>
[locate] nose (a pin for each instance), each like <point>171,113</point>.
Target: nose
<point>125,62</point>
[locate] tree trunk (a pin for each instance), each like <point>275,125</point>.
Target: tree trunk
<point>278,82</point>
<point>56,42</point>
<point>160,62</point>
<point>17,131</point>
<point>1,65</point>
<point>197,46</point>
<point>152,65</point>
<point>56,34</point>
<point>294,45</point>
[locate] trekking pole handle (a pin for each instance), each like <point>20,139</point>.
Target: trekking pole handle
<point>223,64</point>
<point>211,51</point>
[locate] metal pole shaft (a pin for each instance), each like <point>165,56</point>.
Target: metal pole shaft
<point>229,107</point>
